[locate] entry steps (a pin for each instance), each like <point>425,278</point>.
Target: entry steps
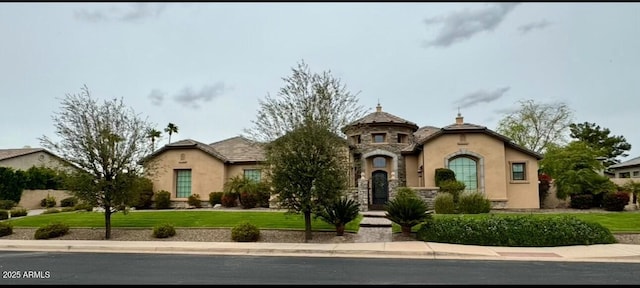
<point>374,219</point>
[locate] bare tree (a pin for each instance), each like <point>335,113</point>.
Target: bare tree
<point>306,95</point>
<point>106,140</point>
<point>537,125</point>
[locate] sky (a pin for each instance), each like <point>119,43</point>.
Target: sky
<point>205,66</point>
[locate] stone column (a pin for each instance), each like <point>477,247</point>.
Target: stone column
<point>363,191</point>
<point>393,186</point>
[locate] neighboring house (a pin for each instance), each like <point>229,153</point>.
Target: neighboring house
<point>25,158</point>
<point>190,167</point>
<point>626,171</point>
<point>385,151</point>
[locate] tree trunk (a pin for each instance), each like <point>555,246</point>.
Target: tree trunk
<point>406,231</point>
<point>339,229</point>
<point>307,226</point>
<point>107,222</point>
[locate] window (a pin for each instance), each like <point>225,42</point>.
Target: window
<point>636,173</point>
<point>466,171</point>
<point>379,162</point>
<point>379,138</point>
<point>518,171</point>
<point>252,174</point>
<point>624,175</point>
<point>183,183</point>
<point>403,138</point>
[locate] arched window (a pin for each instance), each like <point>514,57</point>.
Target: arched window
<point>466,169</point>
<point>379,162</point>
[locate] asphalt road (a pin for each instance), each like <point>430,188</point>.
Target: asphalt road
<point>55,268</point>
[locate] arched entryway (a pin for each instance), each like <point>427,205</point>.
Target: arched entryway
<point>379,190</point>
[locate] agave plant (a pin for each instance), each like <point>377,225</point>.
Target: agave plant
<point>406,212</point>
<point>339,213</point>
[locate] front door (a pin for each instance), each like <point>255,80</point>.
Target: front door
<point>380,189</point>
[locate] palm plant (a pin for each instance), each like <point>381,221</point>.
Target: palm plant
<point>406,212</point>
<point>153,134</point>
<point>171,128</point>
<point>339,213</point>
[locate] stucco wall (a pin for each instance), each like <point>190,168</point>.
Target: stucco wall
<point>31,198</point>
<point>34,159</point>
<point>233,170</point>
<point>207,172</point>
<point>411,167</point>
<point>521,193</point>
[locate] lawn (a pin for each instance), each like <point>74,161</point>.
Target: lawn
<point>622,222</point>
<point>181,219</point>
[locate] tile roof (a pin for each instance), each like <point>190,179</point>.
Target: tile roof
<point>631,162</point>
<point>186,144</point>
<point>239,149</point>
<point>424,132</point>
<point>12,153</point>
<point>381,117</point>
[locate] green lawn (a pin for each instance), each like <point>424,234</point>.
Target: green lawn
<point>181,219</point>
<point>621,222</point>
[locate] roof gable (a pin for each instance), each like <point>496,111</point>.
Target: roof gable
<point>13,153</point>
<point>187,144</point>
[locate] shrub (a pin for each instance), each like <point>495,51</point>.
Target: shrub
<point>215,198</point>
<point>194,200</point>
<point>18,212</point>
<point>68,209</point>
<point>406,212</point>
<point>473,203</point>
<point>615,201</point>
<point>339,213</point>
<point>51,211</point>
<point>248,199</point>
<point>13,182</point>
<point>581,201</point>
<point>443,204</point>
<point>406,192</point>
<point>84,206</point>
<point>229,199</point>
<point>51,231</point>
<point>7,204</point>
<point>163,200</point>
<point>452,186</point>
<point>245,232</point>
<point>263,193</point>
<point>69,202</point>
<point>144,198</point>
<point>444,174</point>
<point>164,231</point>
<point>515,231</point>
<point>6,229</point>
<point>4,214</point>
<point>48,202</point>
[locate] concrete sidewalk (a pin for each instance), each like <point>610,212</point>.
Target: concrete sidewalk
<point>406,249</point>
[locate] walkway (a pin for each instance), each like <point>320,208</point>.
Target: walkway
<point>374,227</point>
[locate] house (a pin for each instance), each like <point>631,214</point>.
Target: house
<point>626,171</point>
<point>189,167</point>
<point>385,152</point>
<point>25,158</point>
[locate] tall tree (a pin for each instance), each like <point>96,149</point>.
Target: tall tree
<point>106,140</point>
<point>537,125</point>
<point>153,134</point>
<point>171,128</point>
<point>606,145</point>
<point>308,169</point>
<point>306,95</point>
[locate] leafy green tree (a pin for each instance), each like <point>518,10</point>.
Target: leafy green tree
<point>537,125</point>
<point>106,140</point>
<point>606,145</point>
<point>12,182</point>
<point>308,170</point>
<point>575,170</point>
<point>171,129</point>
<point>306,95</point>
<point>154,134</point>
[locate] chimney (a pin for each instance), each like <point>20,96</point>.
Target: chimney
<point>378,108</point>
<point>459,120</point>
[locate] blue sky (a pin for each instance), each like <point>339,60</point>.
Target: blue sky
<point>204,66</point>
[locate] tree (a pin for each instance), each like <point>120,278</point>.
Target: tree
<point>307,169</point>
<point>536,125</point>
<point>106,141</point>
<point>599,139</point>
<point>306,95</point>
<point>575,170</point>
<point>153,134</point>
<point>171,128</point>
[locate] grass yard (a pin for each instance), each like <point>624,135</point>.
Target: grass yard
<point>181,219</point>
<point>622,222</point>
